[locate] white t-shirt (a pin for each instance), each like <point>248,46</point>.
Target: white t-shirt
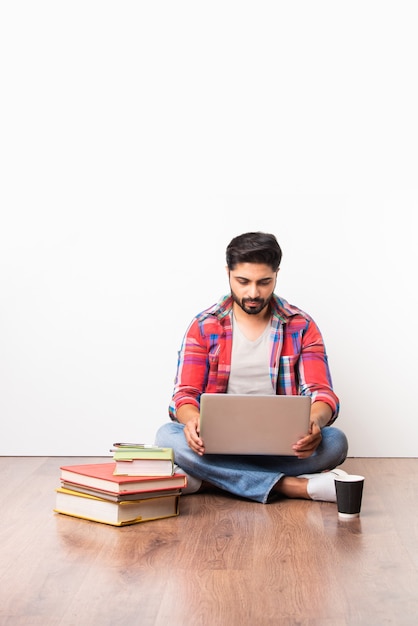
<point>250,363</point>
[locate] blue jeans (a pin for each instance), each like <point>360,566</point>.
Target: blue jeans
<point>251,477</point>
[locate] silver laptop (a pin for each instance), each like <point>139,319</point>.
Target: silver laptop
<point>249,424</point>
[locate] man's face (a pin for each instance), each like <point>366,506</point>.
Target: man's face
<point>252,285</point>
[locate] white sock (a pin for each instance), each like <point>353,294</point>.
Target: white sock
<point>322,486</point>
<point>193,483</point>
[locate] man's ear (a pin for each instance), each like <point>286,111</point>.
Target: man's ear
<point>275,281</point>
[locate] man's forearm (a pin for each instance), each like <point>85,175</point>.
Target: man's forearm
<point>187,412</point>
<point>321,413</point>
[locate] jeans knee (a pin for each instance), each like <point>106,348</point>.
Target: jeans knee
<point>162,435</point>
<point>341,444</point>
<point>336,443</point>
<point>166,432</point>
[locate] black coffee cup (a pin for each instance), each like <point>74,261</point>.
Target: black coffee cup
<point>349,490</point>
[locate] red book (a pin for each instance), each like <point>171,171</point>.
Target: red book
<point>101,476</point>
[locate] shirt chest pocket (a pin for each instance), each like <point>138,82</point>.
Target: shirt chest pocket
<point>288,379</point>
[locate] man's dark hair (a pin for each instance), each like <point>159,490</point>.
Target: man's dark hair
<point>254,248</point>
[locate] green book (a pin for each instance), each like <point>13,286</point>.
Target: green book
<point>129,453</point>
<point>143,461</point>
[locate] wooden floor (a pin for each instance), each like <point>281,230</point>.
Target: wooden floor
<point>222,561</point>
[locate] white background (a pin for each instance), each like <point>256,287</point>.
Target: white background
<point>137,138</point>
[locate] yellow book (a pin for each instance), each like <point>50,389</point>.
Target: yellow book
<point>96,509</point>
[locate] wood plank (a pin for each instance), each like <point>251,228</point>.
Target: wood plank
<point>223,561</point>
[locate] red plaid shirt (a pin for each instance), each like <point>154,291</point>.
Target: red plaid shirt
<point>298,360</point>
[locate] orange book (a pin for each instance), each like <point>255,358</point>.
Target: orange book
<point>101,476</point>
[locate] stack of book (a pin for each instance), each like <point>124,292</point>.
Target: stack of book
<point>138,485</point>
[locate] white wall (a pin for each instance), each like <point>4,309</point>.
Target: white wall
<point>137,139</point>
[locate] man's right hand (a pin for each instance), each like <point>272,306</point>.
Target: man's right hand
<point>188,415</point>
<point>192,432</point>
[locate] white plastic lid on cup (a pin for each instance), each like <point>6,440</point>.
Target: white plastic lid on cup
<point>349,478</point>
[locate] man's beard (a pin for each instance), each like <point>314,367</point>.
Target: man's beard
<point>258,304</point>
